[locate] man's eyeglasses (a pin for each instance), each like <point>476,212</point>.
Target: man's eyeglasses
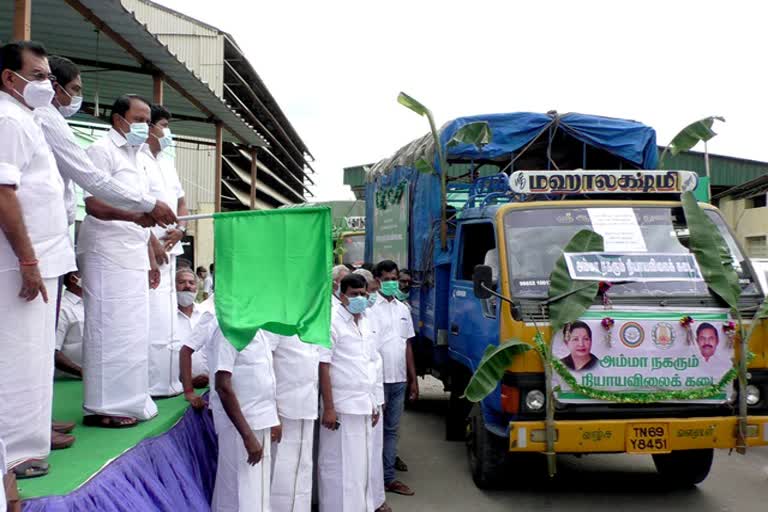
<point>40,76</point>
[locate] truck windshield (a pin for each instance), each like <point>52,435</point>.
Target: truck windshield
<point>354,249</point>
<point>535,238</point>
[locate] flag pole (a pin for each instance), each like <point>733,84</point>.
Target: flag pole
<point>196,217</point>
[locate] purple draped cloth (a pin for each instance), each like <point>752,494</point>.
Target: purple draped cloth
<point>173,472</point>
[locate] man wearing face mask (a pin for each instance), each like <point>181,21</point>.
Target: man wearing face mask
<point>188,316</point>
<point>164,184</point>
<point>35,251</point>
<point>73,162</point>
<point>349,406</point>
<point>115,262</point>
<point>392,320</point>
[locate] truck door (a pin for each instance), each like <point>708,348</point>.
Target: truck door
<point>473,322</point>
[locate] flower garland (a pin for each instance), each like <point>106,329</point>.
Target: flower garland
<point>687,322</point>
<point>637,397</point>
<point>607,324</point>
<point>386,197</point>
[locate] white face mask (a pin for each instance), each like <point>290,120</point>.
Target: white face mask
<point>74,105</point>
<point>166,140</point>
<point>185,299</point>
<point>38,93</point>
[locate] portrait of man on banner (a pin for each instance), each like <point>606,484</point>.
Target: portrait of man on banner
<point>707,340</point>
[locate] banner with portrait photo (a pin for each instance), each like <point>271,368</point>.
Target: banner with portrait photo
<point>633,350</point>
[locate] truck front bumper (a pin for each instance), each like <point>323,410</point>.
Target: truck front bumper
<point>619,436</point>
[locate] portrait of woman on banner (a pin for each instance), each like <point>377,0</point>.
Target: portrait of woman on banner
<point>578,339</point>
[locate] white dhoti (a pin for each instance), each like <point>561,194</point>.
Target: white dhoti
<point>239,486</point>
<point>27,343</point>
<point>163,348</point>
<point>344,466</point>
<point>292,467</point>
<point>376,482</point>
<point>115,346</point>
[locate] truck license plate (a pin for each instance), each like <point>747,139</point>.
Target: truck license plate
<point>647,438</point>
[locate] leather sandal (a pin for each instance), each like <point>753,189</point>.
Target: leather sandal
<point>98,420</point>
<point>31,468</point>
<point>60,441</point>
<point>63,427</point>
<point>399,487</point>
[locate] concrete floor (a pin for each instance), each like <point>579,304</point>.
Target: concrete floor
<point>439,473</point>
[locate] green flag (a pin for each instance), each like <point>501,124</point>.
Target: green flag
<point>273,272</point>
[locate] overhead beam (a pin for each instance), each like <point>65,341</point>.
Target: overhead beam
<point>242,106</point>
<point>254,171</point>
<point>157,88</point>
<point>22,20</point>
<point>219,163</point>
<point>107,66</point>
<point>257,100</point>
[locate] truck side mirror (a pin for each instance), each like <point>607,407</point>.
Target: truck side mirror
<point>482,275</point>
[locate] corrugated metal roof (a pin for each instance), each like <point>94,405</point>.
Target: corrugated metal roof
<point>725,171</point>
<point>67,32</point>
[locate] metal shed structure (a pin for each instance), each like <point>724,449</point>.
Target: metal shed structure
<point>235,147</point>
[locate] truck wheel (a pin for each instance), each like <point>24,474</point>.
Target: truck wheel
<point>684,468</point>
<point>487,453</point>
<point>458,408</point>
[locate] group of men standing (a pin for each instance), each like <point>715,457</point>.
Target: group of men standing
<point>130,186</point>
<point>131,329</point>
<point>267,397</point>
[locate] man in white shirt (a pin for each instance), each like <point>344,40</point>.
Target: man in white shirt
<point>393,323</point>
<point>196,355</point>
<point>35,250</point>
<point>376,441</point>
<point>338,273</point>
<point>349,409</point>
<point>188,316</point>
<point>69,329</point>
<point>245,384</point>
<point>115,262</point>
<point>72,160</point>
<point>296,373</point>
<point>163,183</point>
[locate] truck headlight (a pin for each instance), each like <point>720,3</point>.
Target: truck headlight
<point>753,394</point>
<point>535,400</point>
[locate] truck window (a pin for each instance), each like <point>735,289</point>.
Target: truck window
<point>535,239</point>
<point>478,245</point>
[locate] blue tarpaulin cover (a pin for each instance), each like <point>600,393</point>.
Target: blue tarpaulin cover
<point>630,140</point>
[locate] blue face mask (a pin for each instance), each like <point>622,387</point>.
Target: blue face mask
<point>138,134</point>
<point>371,300</point>
<point>166,140</point>
<point>357,305</point>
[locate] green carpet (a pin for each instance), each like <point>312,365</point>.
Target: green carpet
<point>95,446</point>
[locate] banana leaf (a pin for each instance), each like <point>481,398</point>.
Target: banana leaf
<point>412,104</point>
<point>711,253</point>
<point>569,298</point>
<point>691,135</point>
<point>477,133</point>
<point>495,361</point>
<point>423,166</point>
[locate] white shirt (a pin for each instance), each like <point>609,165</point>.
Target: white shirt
<point>75,166</point>
<point>394,326</point>
<point>124,243</point>
<point>185,326</point>
<point>69,331</point>
<point>353,370</point>
<point>201,341</point>
<point>164,184</point>
<point>335,301</point>
<point>296,371</point>
<point>253,378</point>
<point>208,285</point>
<point>26,163</point>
